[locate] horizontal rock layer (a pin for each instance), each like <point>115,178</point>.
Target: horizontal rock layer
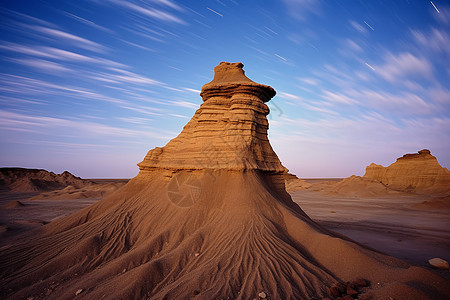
<point>228,131</point>
<point>419,173</point>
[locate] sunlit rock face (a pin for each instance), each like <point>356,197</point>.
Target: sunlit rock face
<point>228,131</point>
<point>419,173</point>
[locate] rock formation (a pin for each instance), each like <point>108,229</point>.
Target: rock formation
<point>21,180</point>
<point>292,183</point>
<point>356,186</point>
<point>418,173</point>
<point>207,217</point>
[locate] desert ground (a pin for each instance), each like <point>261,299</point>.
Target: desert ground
<point>389,223</point>
<point>394,224</point>
<point>21,212</point>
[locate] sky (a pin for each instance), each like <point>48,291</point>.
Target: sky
<point>90,86</point>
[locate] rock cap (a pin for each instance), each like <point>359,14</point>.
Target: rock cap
<point>229,78</point>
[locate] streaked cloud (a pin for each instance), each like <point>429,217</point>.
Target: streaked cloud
<point>358,27</point>
<point>74,39</point>
<point>405,64</point>
<point>183,103</point>
<point>338,98</point>
<point>289,96</point>
<point>41,123</point>
<point>124,76</point>
<point>40,64</point>
<point>302,9</point>
<point>192,90</point>
<point>352,45</point>
<point>25,85</point>
<point>56,53</point>
<point>435,39</point>
<point>88,22</point>
<point>150,11</point>
<point>309,81</point>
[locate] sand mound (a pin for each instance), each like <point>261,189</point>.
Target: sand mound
<point>92,190</point>
<point>356,186</point>
<point>207,217</point>
<point>20,180</point>
<point>13,204</point>
<point>434,203</point>
<point>418,173</point>
<point>293,183</point>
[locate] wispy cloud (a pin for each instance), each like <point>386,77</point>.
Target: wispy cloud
<point>358,27</point>
<point>403,103</point>
<point>27,18</point>
<point>6,100</point>
<point>338,98</point>
<point>79,127</point>
<point>437,40</point>
<point>301,9</point>
<point>352,45</point>
<point>19,85</point>
<point>309,80</point>
<point>25,85</point>
<point>168,3</point>
<point>403,65</point>
<point>150,12</point>
<point>192,90</point>
<point>88,22</point>
<point>74,39</point>
<point>289,96</point>
<point>40,64</point>
<point>124,76</point>
<point>183,103</point>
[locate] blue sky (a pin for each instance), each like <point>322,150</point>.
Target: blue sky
<point>90,86</point>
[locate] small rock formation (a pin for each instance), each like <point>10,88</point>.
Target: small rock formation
<point>12,204</point>
<point>293,183</point>
<point>89,190</point>
<point>418,173</point>
<point>357,186</point>
<point>207,217</point>
<point>21,180</point>
<point>439,263</point>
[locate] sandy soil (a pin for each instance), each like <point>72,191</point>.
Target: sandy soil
<point>20,212</point>
<point>388,223</point>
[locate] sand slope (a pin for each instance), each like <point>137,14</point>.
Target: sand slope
<point>188,226</point>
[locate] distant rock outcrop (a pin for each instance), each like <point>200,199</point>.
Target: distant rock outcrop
<point>418,173</point>
<point>293,183</point>
<point>21,180</point>
<point>90,190</point>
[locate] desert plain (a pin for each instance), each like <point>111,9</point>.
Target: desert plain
<point>398,224</point>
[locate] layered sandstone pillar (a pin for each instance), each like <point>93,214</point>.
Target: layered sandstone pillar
<point>228,131</point>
